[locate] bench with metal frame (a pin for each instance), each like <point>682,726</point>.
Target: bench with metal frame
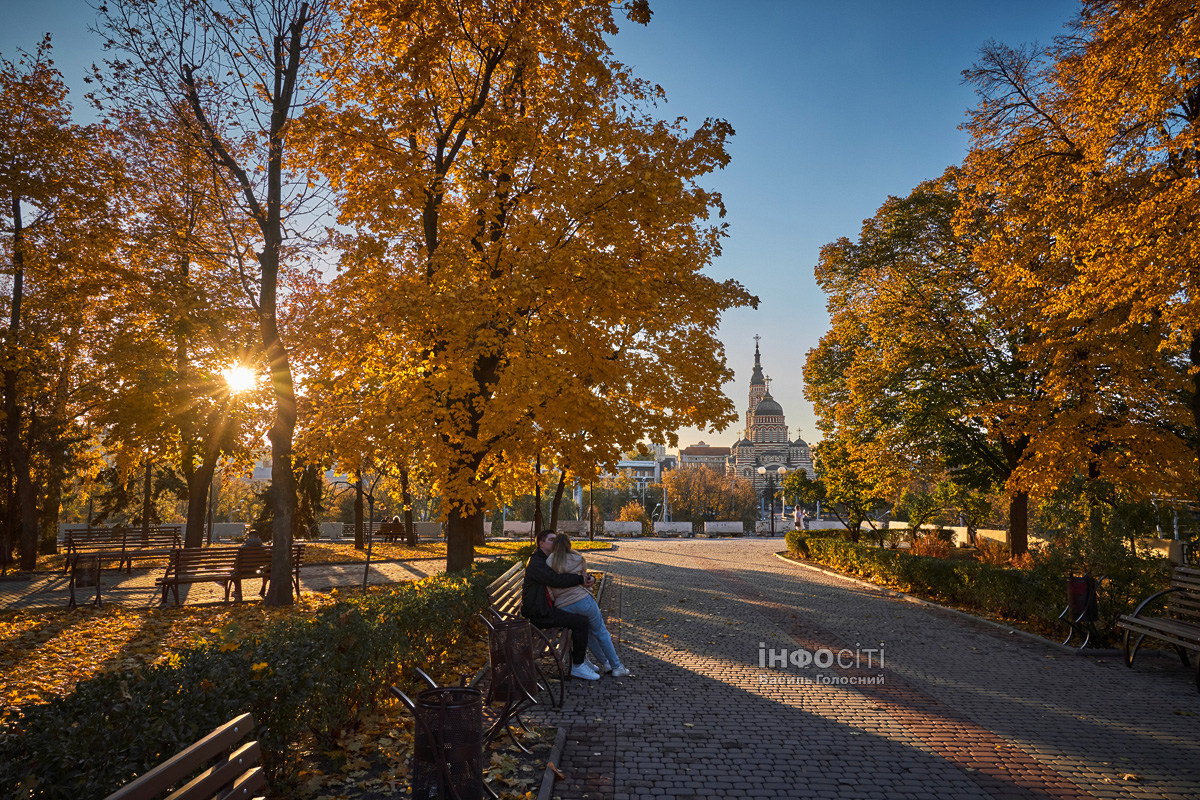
<point>504,596</point>
<point>88,549</point>
<point>227,566</point>
<point>228,767</point>
<point>122,543</point>
<point>1179,626</point>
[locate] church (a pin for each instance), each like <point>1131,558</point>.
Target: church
<point>765,442</point>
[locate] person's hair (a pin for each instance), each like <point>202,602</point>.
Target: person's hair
<point>396,518</point>
<point>558,554</point>
<point>543,534</point>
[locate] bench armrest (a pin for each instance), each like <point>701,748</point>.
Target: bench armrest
<point>1138,611</point>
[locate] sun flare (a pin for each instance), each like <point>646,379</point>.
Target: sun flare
<point>239,378</point>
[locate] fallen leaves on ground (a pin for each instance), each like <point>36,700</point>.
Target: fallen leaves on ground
<point>45,653</point>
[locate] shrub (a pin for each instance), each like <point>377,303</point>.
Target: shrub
<point>992,552</point>
<point>930,545</point>
<point>634,512</point>
<point>894,537</point>
<point>1009,592</point>
<point>299,677</point>
<point>797,543</point>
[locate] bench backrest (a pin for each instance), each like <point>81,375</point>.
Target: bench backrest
<point>96,539</point>
<point>251,559</point>
<point>1186,602</point>
<point>236,772</point>
<point>160,537</point>
<point>202,559</point>
<point>504,593</point>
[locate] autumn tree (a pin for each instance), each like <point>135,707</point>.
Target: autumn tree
<point>922,368</point>
<point>234,75</point>
<point>529,242</point>
<point>1068,250</point>
<point>849,494</point>
<point>55,178</point>
<point>178,322</point>
<point>703,493</point>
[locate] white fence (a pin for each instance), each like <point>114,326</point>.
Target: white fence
<point>723,528</point>
<point>622,528</point>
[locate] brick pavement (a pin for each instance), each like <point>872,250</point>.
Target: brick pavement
<point>963,711</point>
<point>137,590</point>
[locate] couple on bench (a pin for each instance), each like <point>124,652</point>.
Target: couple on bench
<point>557,594</point>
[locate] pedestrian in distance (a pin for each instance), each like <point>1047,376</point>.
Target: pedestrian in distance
<point>578,600</point>
<point>538,607</point>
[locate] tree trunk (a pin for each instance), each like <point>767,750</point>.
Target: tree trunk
<point>558,496</point>
<point>360,541</point>
<point>461,529</point>
<point>537,498</point>
<point>147,500</point>
<point>56,456</point>
<point>1018,524</point>
<point>410,531</point>
<point>18,456</point>
<point>199,490</point>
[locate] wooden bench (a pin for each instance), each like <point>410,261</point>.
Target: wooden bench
<point>227,566</point>
<point>121,543</point>
<point>89,548</point>
<point>504,597</point>
<point>1179,626</point>
<point>226,769</point>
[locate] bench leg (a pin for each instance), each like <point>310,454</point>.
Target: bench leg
<point>1130,653</point>
<point>1183,656</point>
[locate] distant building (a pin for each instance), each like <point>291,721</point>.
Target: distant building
<point>703,455</point>
<point>765,441</point>
<point>642,473</point>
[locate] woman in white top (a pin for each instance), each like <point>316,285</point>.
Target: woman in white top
<point>578,600</point>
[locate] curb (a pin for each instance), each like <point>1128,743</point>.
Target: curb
<point>888,592</point>
<point>560,744</point>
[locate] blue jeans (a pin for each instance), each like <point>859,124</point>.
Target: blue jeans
<point>599,640</point>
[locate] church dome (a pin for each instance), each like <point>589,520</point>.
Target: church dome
<point>768,407</point>
<point>799,443</point>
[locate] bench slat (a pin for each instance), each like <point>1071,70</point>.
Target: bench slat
<point>174,769</point>
<point>233,772</point>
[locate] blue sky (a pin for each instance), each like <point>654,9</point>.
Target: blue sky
<point>836,107</point>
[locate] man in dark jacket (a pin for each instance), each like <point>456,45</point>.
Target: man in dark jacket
<point>537,606</point>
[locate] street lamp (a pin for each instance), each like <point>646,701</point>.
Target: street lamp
<point>769,490</point>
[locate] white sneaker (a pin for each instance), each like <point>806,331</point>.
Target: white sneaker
<point>584,672</point>
<point>620,671</point>
<point>600,668</point>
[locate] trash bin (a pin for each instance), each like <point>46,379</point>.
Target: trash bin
<point>514,671</point>
<point>447,744</point>
<point>1081,598</point>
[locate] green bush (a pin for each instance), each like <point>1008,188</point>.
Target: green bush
<point>1021,594</point>
<point>299,677</point>
<point>797,543</point>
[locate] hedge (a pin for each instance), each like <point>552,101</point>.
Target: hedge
<point>1014,593</point>
<point>299,677</point>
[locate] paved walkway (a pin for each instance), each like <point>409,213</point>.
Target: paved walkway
<point>963,711</point>
<point>137,589</point>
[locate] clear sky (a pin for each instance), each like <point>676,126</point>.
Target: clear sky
<point>837,105</point>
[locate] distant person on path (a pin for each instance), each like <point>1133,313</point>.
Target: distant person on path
<point>578,600</point>
<point>538,607</point>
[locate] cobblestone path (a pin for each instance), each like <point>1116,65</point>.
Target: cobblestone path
<point>956,710</point>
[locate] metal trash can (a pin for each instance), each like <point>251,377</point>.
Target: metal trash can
<point>447,743</point>
<point>514,670</point>
<point>1081,598</point>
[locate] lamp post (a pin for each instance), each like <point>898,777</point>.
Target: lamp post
<point>769,490</point>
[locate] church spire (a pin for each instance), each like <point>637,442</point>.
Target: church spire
<point>756,379</point>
